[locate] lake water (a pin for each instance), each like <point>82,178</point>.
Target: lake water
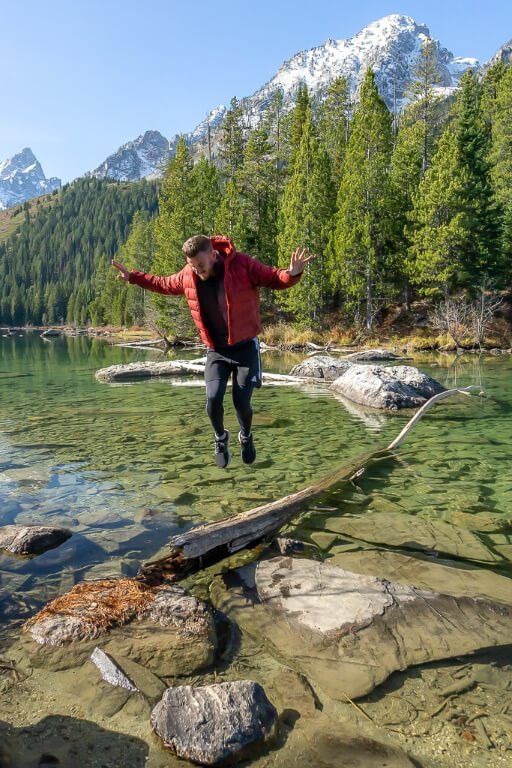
<point>126,466</point>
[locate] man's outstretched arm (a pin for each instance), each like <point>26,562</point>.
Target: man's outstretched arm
<point>170,284</point>
<point>279,279</point>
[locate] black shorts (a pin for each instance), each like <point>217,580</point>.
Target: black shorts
<point>243,360</point>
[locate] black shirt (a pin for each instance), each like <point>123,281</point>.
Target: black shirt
<point>212,302</point>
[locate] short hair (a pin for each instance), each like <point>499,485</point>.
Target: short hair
<point>196,244</point>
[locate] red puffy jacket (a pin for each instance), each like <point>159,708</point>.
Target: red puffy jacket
<point>243,276</point>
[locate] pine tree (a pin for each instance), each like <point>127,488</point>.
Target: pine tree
<point>362,224</point>
<point>478,204</point>
<point>174,224</point>
<point>426,76</point>
<point>275,120</point>
<point>489,87</point>
<point>293,125</point>
<point>334,120</point>
<point>258,200</point>
<point>436,226</point>
<point>405,176</point>
<point>455,221</point>
<point>231,152</point>
<point>501,158</point>
<point>305,220</point>
<point>206,195</point>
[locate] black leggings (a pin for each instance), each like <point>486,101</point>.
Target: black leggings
<point>243,362</point>
<point>215,391</point>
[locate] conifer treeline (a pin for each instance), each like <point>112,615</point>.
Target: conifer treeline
<point>394,206</point>
<point>47,267</point>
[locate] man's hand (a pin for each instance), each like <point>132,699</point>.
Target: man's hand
<point>124,274</point>
<point>298,261</point>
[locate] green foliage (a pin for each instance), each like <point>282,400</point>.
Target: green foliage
<point>436,221</point>
<point>362,224</point>
<point>426,76</point>
<point>48,265</point>
<point>176,221</point>
<point>113,303</point>
<point>334,122</point>
<point>501,156</point>
<point>455,220</point>
<point>305,220</point>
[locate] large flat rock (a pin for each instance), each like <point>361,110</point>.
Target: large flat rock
<point>31,539</point>
<point>392,388</point>
<point>347,631</point>
<point>212,723</point>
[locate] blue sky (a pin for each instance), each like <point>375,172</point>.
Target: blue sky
<point>80,78</point>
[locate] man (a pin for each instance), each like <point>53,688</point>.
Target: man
<point>221,286</point>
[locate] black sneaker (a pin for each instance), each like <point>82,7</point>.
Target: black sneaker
<point>222,454</point>
<point>248,451</point>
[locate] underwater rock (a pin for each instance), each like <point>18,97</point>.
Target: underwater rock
<point>372,354</point>
<point>163,629</point>
<point>393,387</point>
<point>288,546</point>
<point>31,539</point>
<point>347,632</point>
<point>412,532</point>
<point>346,746</point>
<point>211,723</point>
<point>320,367</point>
<point>110,671</point>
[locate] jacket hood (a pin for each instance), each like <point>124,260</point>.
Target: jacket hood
<point>223,245</point>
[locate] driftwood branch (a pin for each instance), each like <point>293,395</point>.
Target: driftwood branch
<point>426,407</point>
<point>212,542</point>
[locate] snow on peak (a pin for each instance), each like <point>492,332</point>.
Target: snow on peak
<point>21,178</point>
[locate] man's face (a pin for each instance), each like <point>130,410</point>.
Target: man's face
<point>203,263</point>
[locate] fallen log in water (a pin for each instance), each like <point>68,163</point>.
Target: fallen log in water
<point>211,542</point>
<point>149,369</point>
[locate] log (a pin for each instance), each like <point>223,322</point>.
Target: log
<point>209,543</point>
<point>146,370</point>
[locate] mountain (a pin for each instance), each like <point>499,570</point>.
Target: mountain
<point>391,46</point>
<point>503,54</point>
<point>144,157</point>
<point>21,178</point>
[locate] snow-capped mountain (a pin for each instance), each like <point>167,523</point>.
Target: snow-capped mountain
<point>21,178</point>
<point>390,46</point>
<point>144,157</point>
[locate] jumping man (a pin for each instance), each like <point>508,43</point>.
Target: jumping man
<point>221,286</point>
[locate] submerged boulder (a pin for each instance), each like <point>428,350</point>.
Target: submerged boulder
<point>320,367</point>
<point>212,723</point>
<point>31,539</point>
<point>392,387</point>
<point>164,628</point>
<point>348,631</point>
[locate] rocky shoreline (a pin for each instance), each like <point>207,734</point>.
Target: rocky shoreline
<point>399,347</point>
